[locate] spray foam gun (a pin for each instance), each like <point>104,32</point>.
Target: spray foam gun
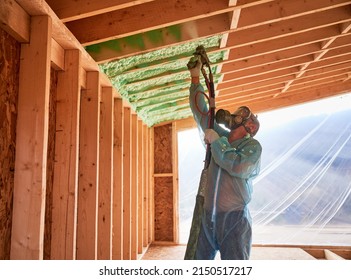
<point>201,52</point>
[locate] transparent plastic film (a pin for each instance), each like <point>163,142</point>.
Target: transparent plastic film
<point>303,195</point>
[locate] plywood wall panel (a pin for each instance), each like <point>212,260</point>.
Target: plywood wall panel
<point>50,164</point>
<point>163,149</point>
<point>163,208</point>
<point>9,76</point>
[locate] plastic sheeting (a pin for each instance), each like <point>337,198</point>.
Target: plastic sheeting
<point>303,193</point>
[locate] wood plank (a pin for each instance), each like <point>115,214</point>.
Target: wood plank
<point>118,179</point>
<point>253,86</point>
<point>169,35</point>
<point>65,185</point>
<point>31,144</point>
<point>146,186</point>
<point>185,124</point>
<point>288,27</point>
<point>102,28</point>
<point>151,186</point>
<point>134,187</point>
<point>68,10</point>
<point>175,189</point>
<point>284,9</point>
<point>15,20</point>
<point>275,57</point>
<point>283,43</point>
<point>294,98</point>
<point>88,169</point>
<point>62,35</point>
<point>141,170</point>
<point>127,185</point>
<point>329,255</point>
<point>218,24</point>
<point>105,175</point>
<point>57,56</point>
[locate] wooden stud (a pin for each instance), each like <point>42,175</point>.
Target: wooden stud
<point>146,187</point>
<point>88,169</point>
<point>134,188</point>
<point>141,169</point>
<point>105,176</point>
<point>151,185</point>
<point>65,185</point>
<point>31,143</point>
<point>127,195</point>
<point>117,216</point>
<point>175,184</point>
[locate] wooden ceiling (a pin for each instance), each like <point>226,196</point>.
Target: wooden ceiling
<point>267,54</point>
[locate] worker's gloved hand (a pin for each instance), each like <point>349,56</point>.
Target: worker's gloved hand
<point>194,66</point>
<point>210,136</point>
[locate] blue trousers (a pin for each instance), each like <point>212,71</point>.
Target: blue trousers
<point>229,233</point>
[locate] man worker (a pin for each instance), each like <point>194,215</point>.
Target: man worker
<point>226,221</point>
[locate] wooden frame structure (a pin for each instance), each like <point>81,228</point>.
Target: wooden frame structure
<point>101,189</point>
<point>114,180</point>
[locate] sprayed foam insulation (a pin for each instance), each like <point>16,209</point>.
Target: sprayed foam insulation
<point>156,84</point>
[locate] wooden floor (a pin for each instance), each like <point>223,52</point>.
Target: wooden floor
<point>176,252</point>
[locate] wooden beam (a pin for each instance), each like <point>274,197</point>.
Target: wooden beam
<point>266,14</point>
<point>88,169</point>
<point>62,35</point>
<point>31,144</point>
<point>134,188</point>
<point>277,11</point>
<point>57,56</point>
<point>166,36</point>
<point>118,179</point>
<point>15,20</point>
<point>105,175</point>
<point>283,43</point>
<point>233,83</point>
<point>185,124</point>
<point>288,27</point>
<point>108,26</point>
<point>294,98</point>
<point>329,255</point>
<point>65,185</point>
<point>127,184</point>
<point>68,10</point>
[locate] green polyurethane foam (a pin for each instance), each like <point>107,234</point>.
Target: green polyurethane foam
<point>153,82</point>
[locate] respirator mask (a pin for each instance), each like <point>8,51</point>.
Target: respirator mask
<point>236,119</point>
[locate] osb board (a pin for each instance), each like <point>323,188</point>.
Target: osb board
<point>176,252</point>
<point>163,192</point>
<point>9,77</point>
<point>50,164</point>
<point>163,149</point>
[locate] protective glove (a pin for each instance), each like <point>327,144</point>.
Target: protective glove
<point>210,136</point>
<point>194,66</point>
